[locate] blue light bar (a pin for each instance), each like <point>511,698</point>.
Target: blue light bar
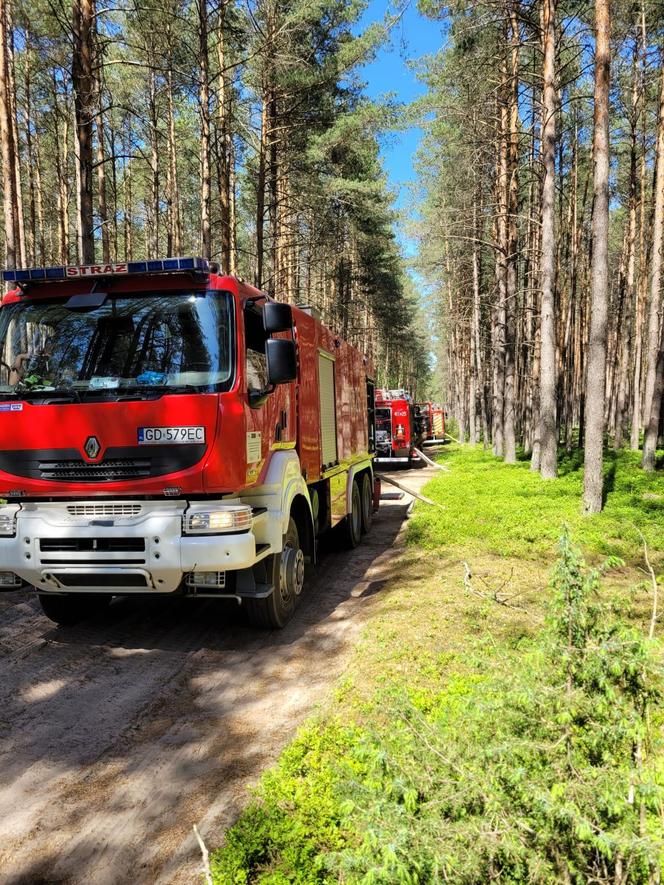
<point>117,268</point>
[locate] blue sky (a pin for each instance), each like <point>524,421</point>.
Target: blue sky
<point>412,37</point>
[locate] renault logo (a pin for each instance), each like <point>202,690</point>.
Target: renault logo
<point>92,447</point>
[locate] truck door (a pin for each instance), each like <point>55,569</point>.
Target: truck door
<point>328,410</point>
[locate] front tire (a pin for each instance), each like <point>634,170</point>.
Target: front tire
<point>367,503</point>
<point>353,521</point>
<point>287,571</point>
<point>70,608</point>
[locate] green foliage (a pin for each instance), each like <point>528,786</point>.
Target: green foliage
<point>511,511</point>
<point>536,765</point>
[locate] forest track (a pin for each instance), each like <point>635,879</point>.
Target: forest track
<point>119,734</point>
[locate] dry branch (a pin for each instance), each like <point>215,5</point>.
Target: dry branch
<point>491,595</point>
<point>655,591</point>
<point>207,872</point>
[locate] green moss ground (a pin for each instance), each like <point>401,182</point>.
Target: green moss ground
<point>363,793</point>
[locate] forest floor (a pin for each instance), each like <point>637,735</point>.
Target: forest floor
<point>470,595</point>
<point>120,733</point>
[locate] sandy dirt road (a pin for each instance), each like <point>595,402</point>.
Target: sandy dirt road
<point>120,733</point>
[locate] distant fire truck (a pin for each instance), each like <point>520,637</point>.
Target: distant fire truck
<point>432,421</point>
<point>397,430</point>
<point>170,430</point>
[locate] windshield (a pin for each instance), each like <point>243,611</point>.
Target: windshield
<point>166,342</point>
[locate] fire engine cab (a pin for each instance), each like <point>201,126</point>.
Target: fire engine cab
<point>169,430</point>
<point>397,434</point>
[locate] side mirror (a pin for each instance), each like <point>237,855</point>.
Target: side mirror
<point>277,317</point>
<point>281,362</point>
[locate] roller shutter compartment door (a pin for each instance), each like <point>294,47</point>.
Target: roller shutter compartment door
<point>328,411</point>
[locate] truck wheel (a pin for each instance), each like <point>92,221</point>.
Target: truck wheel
<point>72,607</point>
<point>276,610</point>
<point>367,503</point>
<point>353,521</point>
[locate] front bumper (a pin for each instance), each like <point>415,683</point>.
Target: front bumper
<point>116,547</point>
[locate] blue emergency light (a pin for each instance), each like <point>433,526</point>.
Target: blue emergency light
<point>116,268</point>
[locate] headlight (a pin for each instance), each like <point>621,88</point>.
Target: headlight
<point>227,519</point>
<point>8,524</point>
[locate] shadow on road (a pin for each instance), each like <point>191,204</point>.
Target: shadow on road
<point>118,733</point>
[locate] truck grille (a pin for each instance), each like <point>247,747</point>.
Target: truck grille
<point>92,545</point>
<point>92,511</point>
<point>117,465</point>
<point>107,471</point>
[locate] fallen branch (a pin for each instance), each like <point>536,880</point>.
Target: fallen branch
<point>431,463</point>
<point>492,595</point>
<point>403,488</point>
<point>207,872</point>
<point>655,591</point>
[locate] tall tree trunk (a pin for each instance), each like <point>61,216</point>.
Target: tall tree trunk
<point>225,145</point>
<point>204,99</point>
<point>260,194</point>
<point>512,257</point>
<point>7,144</point>
<point>656,262</point>
<point>654,413</point>
<point>18,207</point>
<point>101,185</point>
<point>596,370</point>
<point>630,282</point>
<point>153,222</point>
<point>547,398</point>
<point>499,318</point>
<point>84,99</point>
<point>174,234</point>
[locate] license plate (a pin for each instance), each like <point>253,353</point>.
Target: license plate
<point>156,436</point>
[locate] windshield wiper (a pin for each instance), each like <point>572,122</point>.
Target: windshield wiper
<point>44,396</point>
<point>158,390</point>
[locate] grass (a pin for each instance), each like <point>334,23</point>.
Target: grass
<point>510,511</point>
<point>429,765</point>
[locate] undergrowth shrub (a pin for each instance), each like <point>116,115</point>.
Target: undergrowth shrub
<point>538,766</point>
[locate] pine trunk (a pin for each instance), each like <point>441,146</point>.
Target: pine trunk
<point>596,370</point>
<point>548,433</point>
<point>7,144</point>
<point>654,310</point>
<point>84,100</point>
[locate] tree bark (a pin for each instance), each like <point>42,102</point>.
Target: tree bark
<point>656,261</point>
<point>512,256</point>
<point>7,144</point>
<point>204,100</point>
<point>652,428</point>
<point>596,371</point>
<point>548,433</point>
<point>84,101</point>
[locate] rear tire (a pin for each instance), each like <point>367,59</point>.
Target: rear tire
<point>70,608</point>
<point>353,521</point>
<point>367,503</point>
<point>287,571</point>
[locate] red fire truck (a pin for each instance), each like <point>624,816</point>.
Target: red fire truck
<point>432,419</point>
<point>397,435</point>
<point>438,423</point>
<point>170,430</point>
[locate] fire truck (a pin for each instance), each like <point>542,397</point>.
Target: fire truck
<point>432,420</point>
<point>397,432</point>
<point>438,415</point>
<point>424,420</point>
<point>170,430</point>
